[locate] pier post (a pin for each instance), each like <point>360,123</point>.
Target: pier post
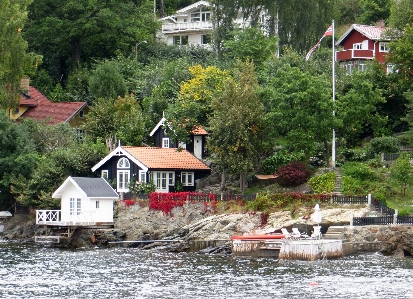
<point>396,212</point>
<point>369,199</point>
<point>351,220</point>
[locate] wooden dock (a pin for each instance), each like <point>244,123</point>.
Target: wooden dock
<point>310,250</point>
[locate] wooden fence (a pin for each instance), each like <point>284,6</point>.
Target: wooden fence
<point>192,196</point>
<point>355,200</point>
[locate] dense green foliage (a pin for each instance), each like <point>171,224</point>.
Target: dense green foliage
<point>323,183</point>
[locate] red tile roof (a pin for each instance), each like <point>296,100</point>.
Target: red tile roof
<point>371,32</point>
<point>41,108</point>
<point>165,158</point>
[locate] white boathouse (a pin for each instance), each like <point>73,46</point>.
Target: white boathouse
<point>84,202</point>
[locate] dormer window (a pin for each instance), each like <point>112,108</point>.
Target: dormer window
<point>123,163</point>
<point>81,114</point>
<point>165,142</point>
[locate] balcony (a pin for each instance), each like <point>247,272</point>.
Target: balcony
<point>186,27</point>
<point>351,54</point>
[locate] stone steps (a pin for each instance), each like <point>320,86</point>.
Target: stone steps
<point>337,187</point>
<point>335,233</point>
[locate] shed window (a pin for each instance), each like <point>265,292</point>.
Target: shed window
<point>97,204</point>
<point>123,163</point>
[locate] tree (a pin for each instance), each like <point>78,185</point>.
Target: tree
<point>236,123</point>
<point>401,50</point>
<point>107,82</point>
<point>16,157</point>
<point>78,31</point>
<point>373,11</point>
<point>15,62</point>
<point>111,120</point>
<point>300,109</point>
<point>401,14</point>
<point>251,44</point>
<point>401,172</point>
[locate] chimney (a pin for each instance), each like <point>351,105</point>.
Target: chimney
<point>24,85</point>
<point>381,24</point>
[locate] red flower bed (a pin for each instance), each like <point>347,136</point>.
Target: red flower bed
<point>166,202</point>
<point>128,202</point>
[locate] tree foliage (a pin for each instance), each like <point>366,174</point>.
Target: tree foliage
<point>401,172</point>
<point>293,174</point>
<point>15,62</point>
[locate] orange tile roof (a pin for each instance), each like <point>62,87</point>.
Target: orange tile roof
<point>165,158</point>
<point>42,108</point>
<point>199,131</point>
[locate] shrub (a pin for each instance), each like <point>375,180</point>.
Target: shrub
<point>279,158</point>
<point>293,174</point>
<point>355,154</point>
<point>384,145</point>
<point>359,171</point>
<point>324,183</point>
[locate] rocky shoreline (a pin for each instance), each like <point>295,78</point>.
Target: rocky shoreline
<point>194,228</point>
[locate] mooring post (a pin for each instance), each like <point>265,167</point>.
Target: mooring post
<point>395,216</point>
<point>369,199</point>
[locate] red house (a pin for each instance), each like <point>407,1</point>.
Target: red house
<point>362,43</point>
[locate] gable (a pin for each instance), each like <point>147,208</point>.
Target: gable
<point>87,187</point>
<point>119,151</point>
<point>369,32</point>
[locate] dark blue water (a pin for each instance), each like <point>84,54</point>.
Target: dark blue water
<point>30,271</point>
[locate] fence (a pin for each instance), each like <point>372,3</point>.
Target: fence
<point>193,196</point>
<point>355,200</point>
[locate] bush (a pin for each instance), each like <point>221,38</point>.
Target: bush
<point>359,171</point>
<point>324,183</point>
<point>279,158</point>
<point>383,145</point>
<point>293,174</point>
<point>355,154</point>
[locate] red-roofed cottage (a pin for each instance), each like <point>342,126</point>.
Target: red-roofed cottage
<point>362,43</point>
<point>35,105</point>
<point>162,166</point>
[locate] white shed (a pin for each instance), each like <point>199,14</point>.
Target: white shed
<point>86,201</point>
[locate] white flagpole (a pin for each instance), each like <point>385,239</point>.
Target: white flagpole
<point>333,147</point>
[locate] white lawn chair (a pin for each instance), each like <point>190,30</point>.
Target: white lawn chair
<point>288,235</point>
<point>298,234</point>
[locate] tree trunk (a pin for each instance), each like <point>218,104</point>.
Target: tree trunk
<point>223,180</point>
<point>242,182</point>
<point>75,54</point>
<point>161,8</point>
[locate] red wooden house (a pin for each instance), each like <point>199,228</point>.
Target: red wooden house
<point>362,43</point>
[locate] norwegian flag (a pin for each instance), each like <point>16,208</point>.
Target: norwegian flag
<point>328,32</point>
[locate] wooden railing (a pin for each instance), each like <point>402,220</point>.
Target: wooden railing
<point>54,217</point>
<point>361,221</point>
<point>355,200</point>
<point>48,216</point>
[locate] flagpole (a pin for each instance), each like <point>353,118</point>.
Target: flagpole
<point>333,147</point>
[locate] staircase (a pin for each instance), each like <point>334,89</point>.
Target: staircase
<point>337,187</point>
<point>335,233</point>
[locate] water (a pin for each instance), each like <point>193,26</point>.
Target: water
<point>30,271</point>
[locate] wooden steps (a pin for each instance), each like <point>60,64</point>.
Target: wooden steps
<point>335,233</point>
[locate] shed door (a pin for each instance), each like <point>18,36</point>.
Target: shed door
<point>198,146</point>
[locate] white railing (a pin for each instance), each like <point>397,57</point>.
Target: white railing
<point>54,217</point>
<point>48,216</point>
<point>175,27</point>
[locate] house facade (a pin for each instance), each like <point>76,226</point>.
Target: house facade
<point>165,167</point>
<point>192,25</point>
<point>162,134</point>
<point>35,105</point>
<point>84,202</point>
<point>363,43</point>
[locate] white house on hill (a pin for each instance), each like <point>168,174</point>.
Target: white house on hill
<point>84,202</point>
<point>192,25</point>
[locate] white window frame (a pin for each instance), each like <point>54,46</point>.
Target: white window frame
<point>123,163</point>
<point>162,180</point>
<point>165,142</point>
<point>123,179</point>
<point>187,178</point>
<point>142,176</point>
<point>75,206</point>
<point>389,68</point>
<point>104,174</point>
<point>358,46</point>
<point>384,47</point>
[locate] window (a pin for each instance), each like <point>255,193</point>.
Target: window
<point>360,65</point>
<point>165,142</point>
<point>389,69</point>
<point>123,163</point>
<point>97,204</point>
<point>384,47</point>
<point>81,114</point>
<point>202,14</point>
<point>142,176</point>
<point>205,39</point>
<point>104,174</point>
<point>187,178</point>
<point>75,206</point>
<point>123,180</point>
<point>358,46</point>
<point>180,40</point>
<point>162,180</point>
